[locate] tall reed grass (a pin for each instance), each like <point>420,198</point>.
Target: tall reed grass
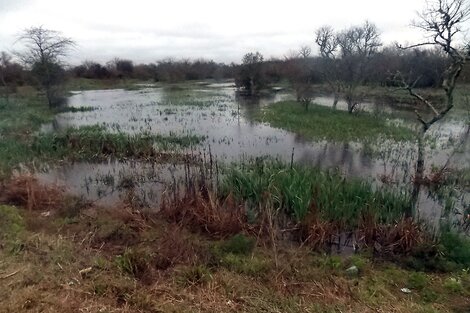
<point>298,190</point>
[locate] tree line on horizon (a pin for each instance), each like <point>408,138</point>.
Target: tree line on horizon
<point>419,62</point>
<point>347,59</point>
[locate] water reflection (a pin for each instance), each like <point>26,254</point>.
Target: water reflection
<point>225,117</point>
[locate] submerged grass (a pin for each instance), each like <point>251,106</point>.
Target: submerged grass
<point>95,84</point>
<point>95,142</point>
<point>299,190</point>
<point>326,123</point>
<point>21,117</point>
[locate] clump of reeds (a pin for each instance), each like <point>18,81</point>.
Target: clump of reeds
<point>295,189</point>
<point>204,212</point>
<point>25,190</point>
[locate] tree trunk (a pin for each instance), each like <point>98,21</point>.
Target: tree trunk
<point>335,100</point>
<point>419,175</point>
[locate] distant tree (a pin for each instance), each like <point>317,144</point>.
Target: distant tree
<point>305,51</point>
<point>325,38</point>
<point>5,63</point>
<point>300,73</point>
<point>43,52</point>
<point>120,68</point>
<point>347,55</point>
<point>251,76</point>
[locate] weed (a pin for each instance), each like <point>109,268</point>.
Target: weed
<point>359,261</point>
<point>252,266</point>
<point>417,280</point>
<point>11,223</point>
<point>133,262</point>
<point>194,275</point>
<point>238,244</point>
<point>429,295</point>
<point>453,285</point>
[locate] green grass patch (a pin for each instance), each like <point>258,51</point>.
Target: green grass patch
<point>11,222</point>
<point>295,191</point>
<point>95,142</point>
<point>20,141</point>
<point>238,244</point>
<point>325,123</point>
<point>23,115</point>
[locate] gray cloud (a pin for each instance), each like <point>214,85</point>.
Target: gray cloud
<point>146,31</point>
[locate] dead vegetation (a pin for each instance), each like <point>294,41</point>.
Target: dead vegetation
<point>186,258</point>
<point>25,190</point>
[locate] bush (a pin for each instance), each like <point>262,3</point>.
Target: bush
<point>456,247</point>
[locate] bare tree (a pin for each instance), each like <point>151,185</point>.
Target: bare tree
<point>325,38</point>
<point>441,20</point>
<point>305,51</point>
<point>43,52</point>
<point>346,55</point>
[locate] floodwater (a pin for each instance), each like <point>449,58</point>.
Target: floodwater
<point>217,112</point>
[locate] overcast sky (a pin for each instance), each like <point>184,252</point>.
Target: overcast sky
<point>146,31</point>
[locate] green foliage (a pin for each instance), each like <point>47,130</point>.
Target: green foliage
<point>333,262</point>
<point>456,247</point>
<point>326,123</point>
<point>238,244</point>
<point>133,262</point>
<point>417,280</point>
<point>11,223</point>
<point>359,261</point>
<point>298,190</point>
<point>453,285</point>
<point>429,295</point>
<point>252,266</point>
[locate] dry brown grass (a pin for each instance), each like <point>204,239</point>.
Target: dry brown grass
<point>51,259</point>
<point>25,190</point>
<point>202,211</point>
<point>396,239</point>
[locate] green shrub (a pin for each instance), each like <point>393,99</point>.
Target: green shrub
<point>456,247</point>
